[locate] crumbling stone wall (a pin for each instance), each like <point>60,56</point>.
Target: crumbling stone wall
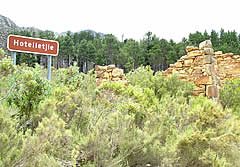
<point>207,69</point>
<point>108,73</point>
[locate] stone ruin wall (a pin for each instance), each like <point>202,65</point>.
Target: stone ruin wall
<point>108,73</point>
<point>207,69</point>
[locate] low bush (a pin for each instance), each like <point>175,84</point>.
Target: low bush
<point>230,95</point>
<point>152,121</point>
<point>28,88</point>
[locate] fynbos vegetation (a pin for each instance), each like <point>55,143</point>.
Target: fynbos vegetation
<point>152,121</point>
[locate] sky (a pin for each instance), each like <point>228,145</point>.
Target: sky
<point>169,19</point>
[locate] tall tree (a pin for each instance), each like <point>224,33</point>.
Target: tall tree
<point>214,37</point>
<point>111,48</point>
<point>147,46</point>
<point>129,55</point>
<point>67,47</point>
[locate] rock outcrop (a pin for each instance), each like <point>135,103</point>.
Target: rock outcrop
<point>7,26</point>
<point>207,69</point>
<point>108,73</point>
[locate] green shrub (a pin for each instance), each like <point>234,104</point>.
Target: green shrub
<point>10,140</point>
<point>143,77</point>
<point>194,134</point>
<point>153,120</point>
<point>230,95</point>
<point>2,53</point>
<point>206,134</point>
<point>69,77</point>
<point>6,66</point>
<point>28,89</point>
<point>172,86</point>
<point>51,143</point>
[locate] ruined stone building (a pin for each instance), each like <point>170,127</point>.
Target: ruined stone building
<point>207,69</point>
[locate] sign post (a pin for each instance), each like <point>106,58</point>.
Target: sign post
<point>18,43</point>
<point>14,57</point>
<point>49,67</point>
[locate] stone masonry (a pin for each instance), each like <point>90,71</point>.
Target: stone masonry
<point>207,69</point>
<point>108,73</point>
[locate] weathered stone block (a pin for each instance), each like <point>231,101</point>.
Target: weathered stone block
<point>198,92</point>
<point>218,53</point>
<point>182,72</point>
<point>189,71</point>
<point>212,91</point>
<point>227,55</point>
<point>183,57</point>
<point>183,76</point>
<point>207,59</point>
<point>168,71</point>
<point>197,73</point>
<point>197,61</point>
<point>188,62</point>
<point>97,68</point>
<point>193,54</point>
<point>205,44</point>
<point>203,80</point>
<point>106,75</point>
<point>208,51</point>
<point>99,74</point>
<point>178,64</point>
<point>117,72</point>
<point>236,57</point>
<point>199,88</point>
<point>191,48</point>
<point>206,67</point>
<point>111,66</point>
<point>116,79</point>
<point>110,75</point>
<point>219,60</point>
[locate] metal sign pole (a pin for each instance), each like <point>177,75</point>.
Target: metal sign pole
<point>49,67</point>
<point>14,57</point>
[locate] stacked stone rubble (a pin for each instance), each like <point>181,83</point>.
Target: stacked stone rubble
<point>108,73</point>
<point>205,68</point>
<point>227,66</point>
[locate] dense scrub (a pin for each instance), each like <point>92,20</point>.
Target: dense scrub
<point>153,120</point>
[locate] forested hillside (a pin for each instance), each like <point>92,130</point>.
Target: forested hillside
<point>87,46</point>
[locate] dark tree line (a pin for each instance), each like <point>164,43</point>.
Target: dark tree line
<point>88,47</point>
